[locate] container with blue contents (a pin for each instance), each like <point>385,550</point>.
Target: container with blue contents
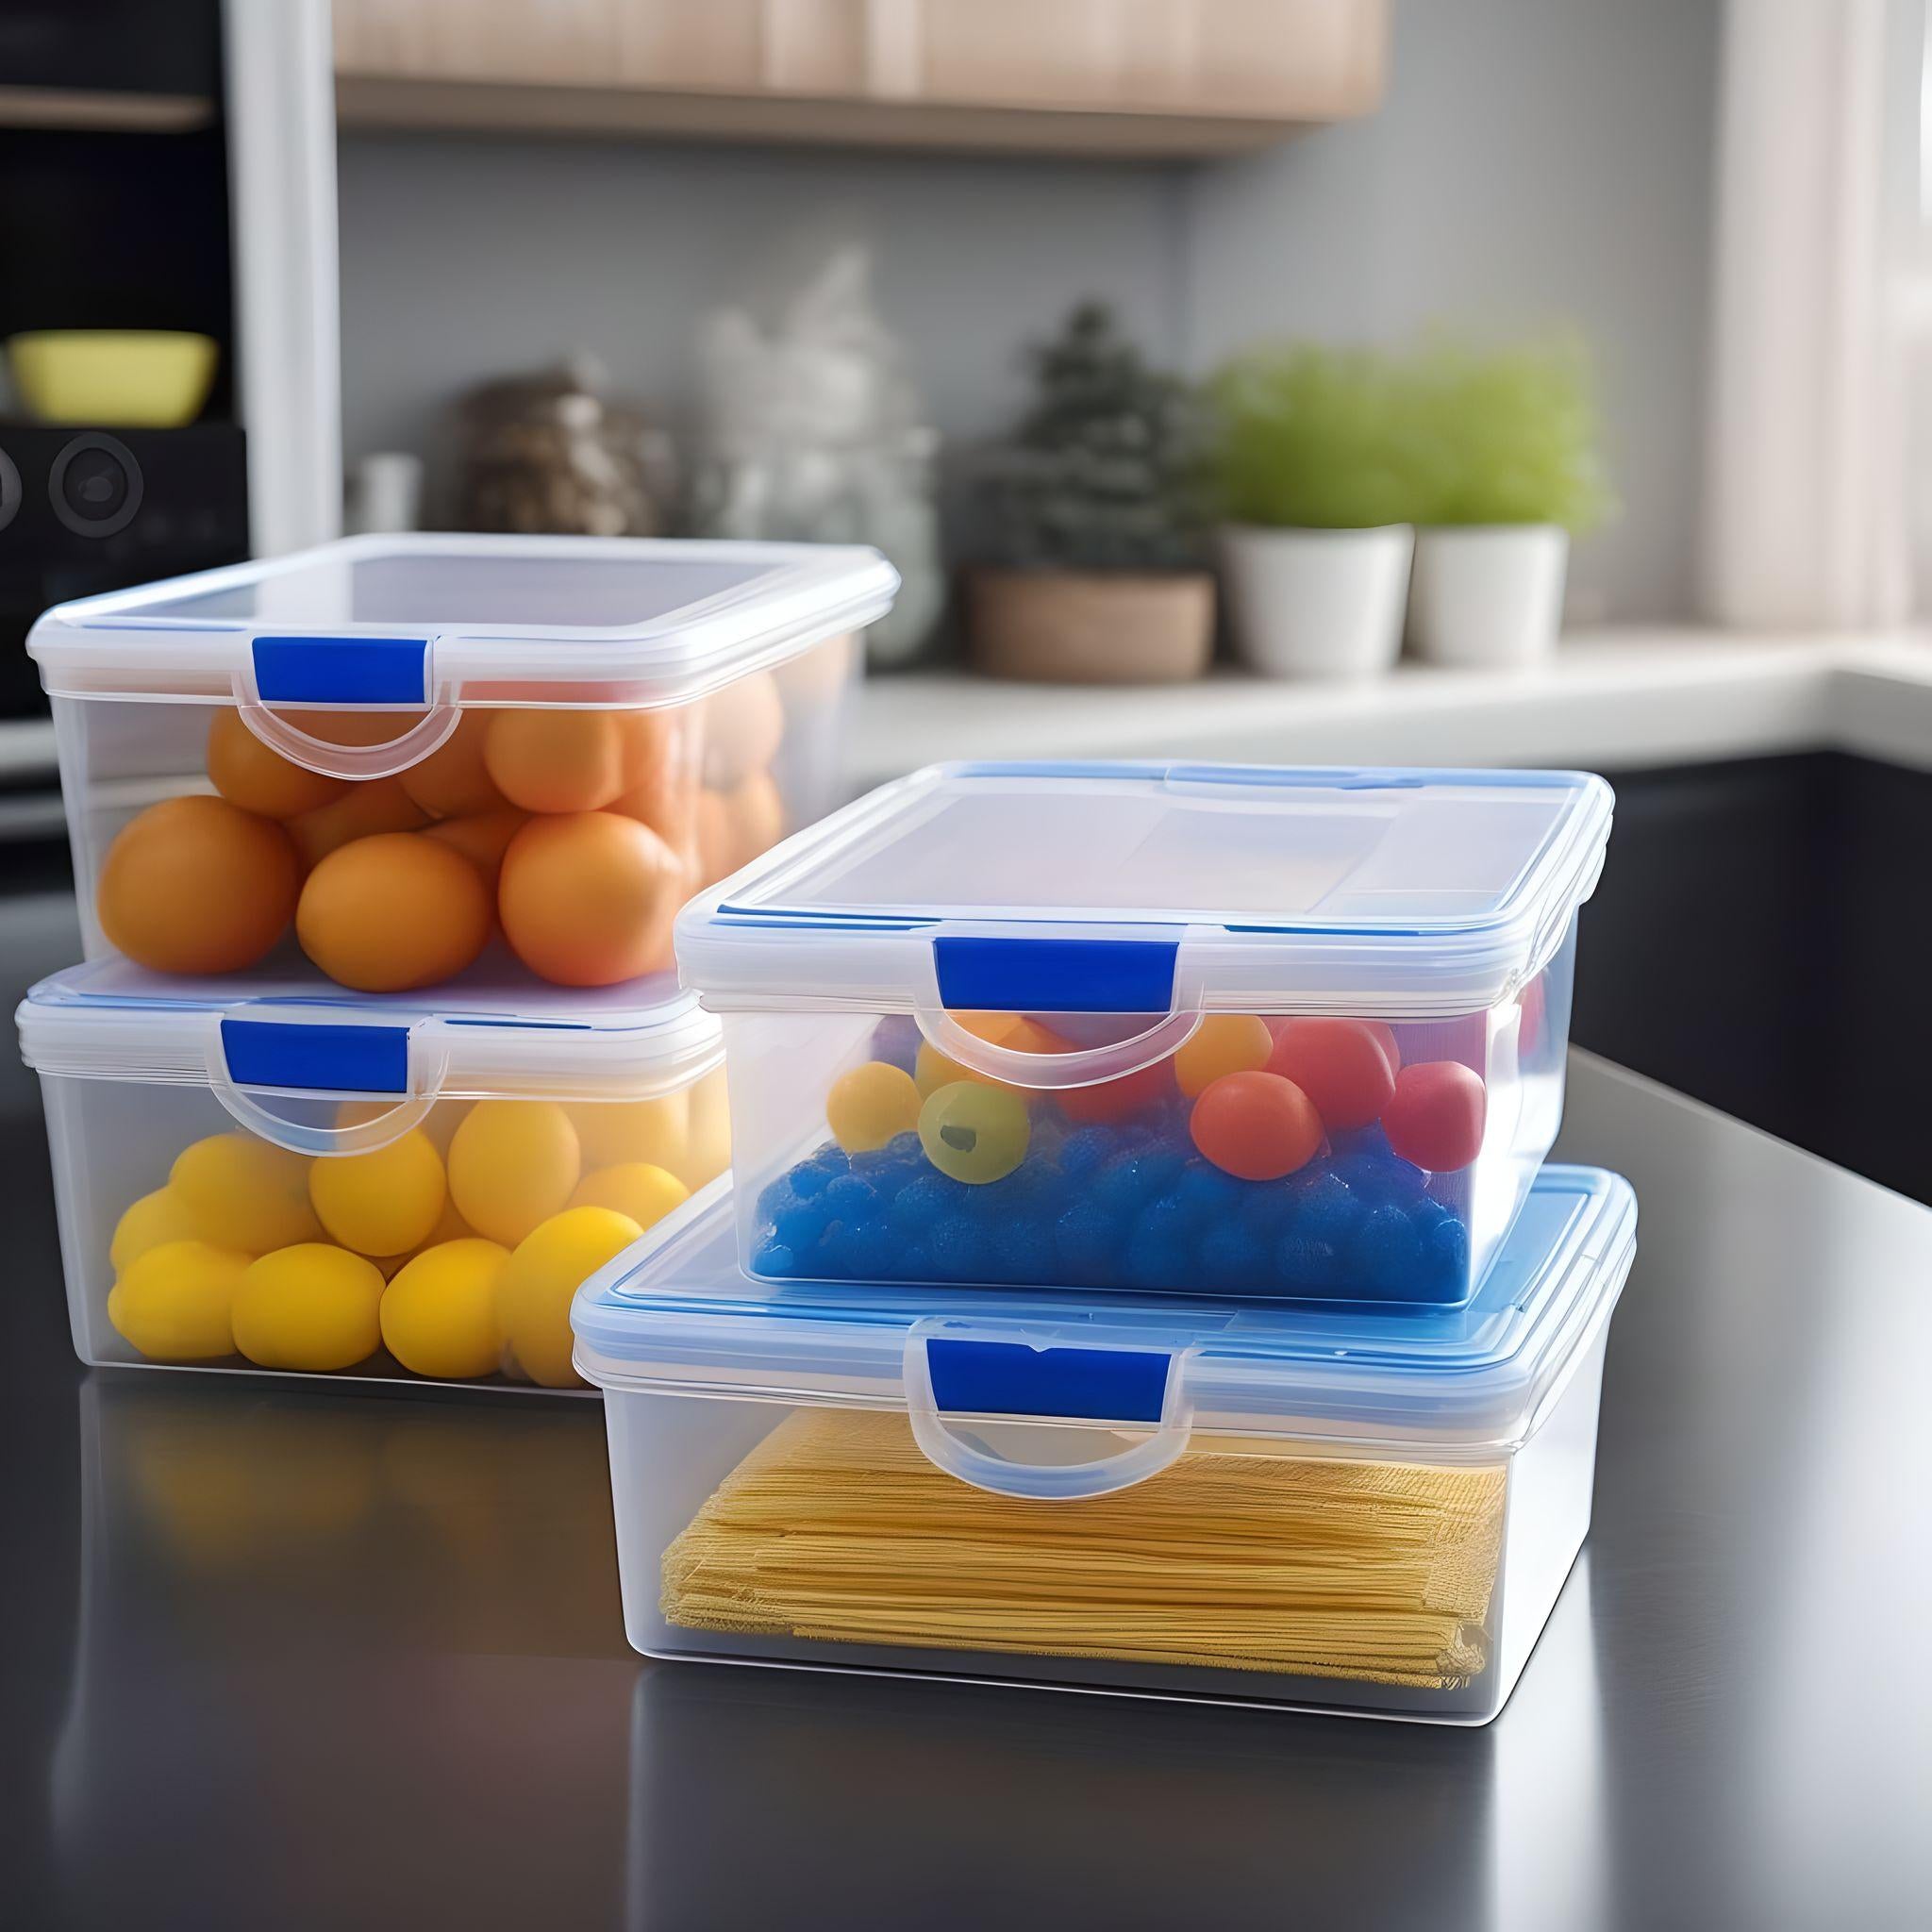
<point>1162,1026</point>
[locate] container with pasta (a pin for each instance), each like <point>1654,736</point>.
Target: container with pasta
<point>1282,1505</point>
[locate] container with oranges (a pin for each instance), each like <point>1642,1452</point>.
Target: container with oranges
<point>403,761</point>
<point>384,1187</point>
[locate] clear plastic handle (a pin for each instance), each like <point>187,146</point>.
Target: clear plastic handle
<point>1080,1067</point>
<point>1044,1481</point>
<point>427,1064</point>
<point>410,747</point>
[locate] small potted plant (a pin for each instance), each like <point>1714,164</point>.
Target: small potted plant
<point>1094,513</point>
<point>1508,468</point>
<point>1312,466</point>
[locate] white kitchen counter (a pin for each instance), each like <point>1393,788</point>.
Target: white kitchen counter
<point>1607,699</point>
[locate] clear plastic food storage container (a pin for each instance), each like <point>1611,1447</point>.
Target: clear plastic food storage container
<point>373,1188</point>
<point>1270,1504</point>
<point>1231,1029</point>
<point>402,756</point>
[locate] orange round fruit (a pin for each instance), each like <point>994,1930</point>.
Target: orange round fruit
<point>248,773</point>
<point>743,724</point>
<point>368,807</point>
<point>482,838</point>
<point>662,776</point>
<point>587,898</point>
<point>387,913</point>
<point>360,727</point>
<point>556,760</point>
<point>453,781</point>
<point>197,885</point>
<point>735,826</point>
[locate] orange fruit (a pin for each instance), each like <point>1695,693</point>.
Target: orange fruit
<point>393,911</point>
<point>482,838</point>
<point>556,760</point>
<point>197,885</point>
<point>368,807</point>
<point>743,724</point>
<point>587,898</point>
<point>453,781</point>
<point>248,773</point>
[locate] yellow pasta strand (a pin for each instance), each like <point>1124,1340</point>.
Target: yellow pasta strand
<point>836,1528</point>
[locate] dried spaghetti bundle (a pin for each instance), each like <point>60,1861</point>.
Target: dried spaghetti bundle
<point>836,1528</point>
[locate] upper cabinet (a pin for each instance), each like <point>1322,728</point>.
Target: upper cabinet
<point>1120,77</point>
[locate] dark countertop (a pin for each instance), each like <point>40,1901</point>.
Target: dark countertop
<point>280,1657</point>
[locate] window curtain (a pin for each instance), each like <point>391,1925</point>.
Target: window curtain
<point>1807,502</point>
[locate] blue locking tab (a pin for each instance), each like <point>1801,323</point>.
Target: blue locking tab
<point>1022,976</point>
<point>341,671</point>
<point>1112,1384</point>
<point>331,1059</point>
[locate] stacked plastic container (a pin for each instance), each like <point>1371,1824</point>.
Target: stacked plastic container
<point>1138,1271</point>
<point>376,1052</point>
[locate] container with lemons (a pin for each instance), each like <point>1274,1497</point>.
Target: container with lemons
<point>374,1188</point>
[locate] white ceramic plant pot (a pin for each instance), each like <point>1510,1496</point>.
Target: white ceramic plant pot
<point>1488,594</point>
<point>1317,603</point>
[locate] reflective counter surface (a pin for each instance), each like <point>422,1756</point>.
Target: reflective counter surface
<point>279,1656</point>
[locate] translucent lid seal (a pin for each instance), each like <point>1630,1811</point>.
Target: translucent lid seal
<point>282,1058</point>
<point>414,620</point>
<point>675,1313</point>
<point>1147,888</point>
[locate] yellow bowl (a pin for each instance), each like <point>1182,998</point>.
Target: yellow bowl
<point>135,378</point>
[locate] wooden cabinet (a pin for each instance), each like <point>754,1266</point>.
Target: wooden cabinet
<point>1149,77</point>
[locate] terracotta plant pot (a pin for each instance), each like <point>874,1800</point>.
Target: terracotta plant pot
<point>1091,627</point>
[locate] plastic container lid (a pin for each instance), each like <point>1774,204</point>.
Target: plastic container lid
<point>675,1314</point>
<point>414,620</point>
<point>1149,887</point>
<point>272,1054</point>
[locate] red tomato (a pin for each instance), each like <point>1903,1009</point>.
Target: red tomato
<point>1435,1116</point>
<point>1257,1126</point>
<point>1341,1065</point>
<point>1114,1100</point>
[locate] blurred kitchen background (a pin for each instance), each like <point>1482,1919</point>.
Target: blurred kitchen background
<point>1515,381</point>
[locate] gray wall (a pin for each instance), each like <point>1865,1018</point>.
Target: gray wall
<point>1535,159</point>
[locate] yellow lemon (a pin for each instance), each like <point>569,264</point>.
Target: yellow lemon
<point>245,1193</point>
<point>611,1132</point>
<point>534,1292</point>
<point>308,1307</point>
<point>871,1103</point>
<point>161,1216</point>
<point>440,1123</point>
<point>439,1315</point>
<point>384,1202</point>
<point>174,1303</point>
<point>707,1152</point>
<point>635,1187</point>
<point>513,1164</point>
<point>1222,1043</point>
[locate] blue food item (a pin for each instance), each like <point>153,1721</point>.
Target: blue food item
<point>1085,1241</point>
<point>961,1248</point>
<point>1108,1206</point>
<point>1232,1258</point>
<point>1387,1252</point>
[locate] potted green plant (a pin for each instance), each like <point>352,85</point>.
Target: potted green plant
<point>1096,519</point>
<point>1310,465</point>
<point>1507,466</point>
